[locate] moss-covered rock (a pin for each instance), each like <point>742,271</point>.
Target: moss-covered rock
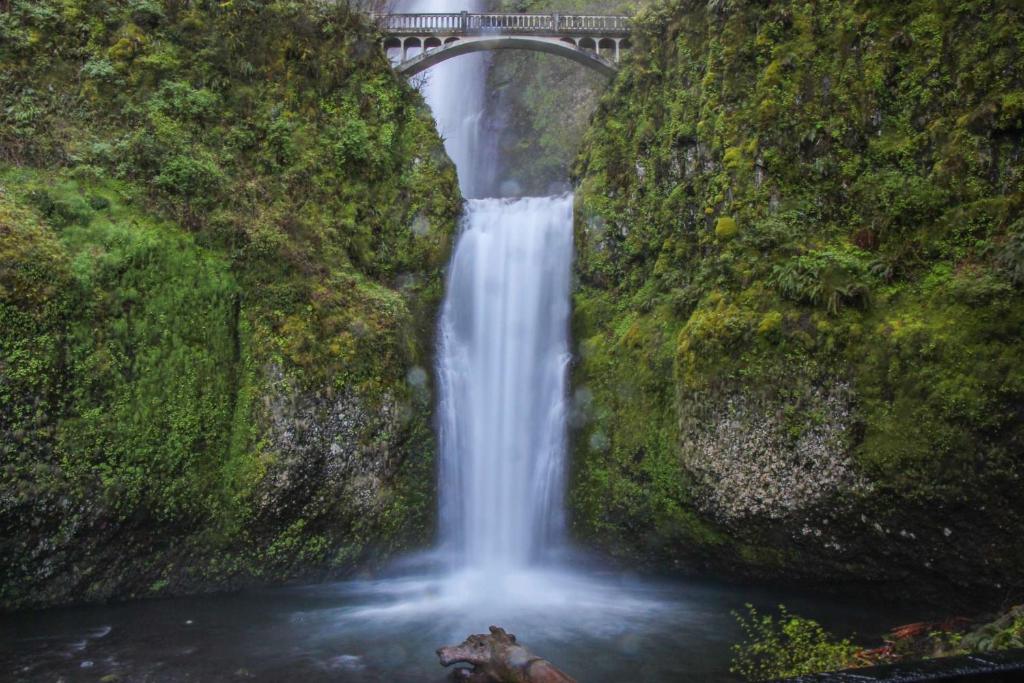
<point>223,230</point>
<point>726,228</point>
<point>799,313</point>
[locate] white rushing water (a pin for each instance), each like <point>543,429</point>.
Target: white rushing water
<point>503,344</point>
<point>502,367</point>
<point>502,362</point>
<point>455,91</point>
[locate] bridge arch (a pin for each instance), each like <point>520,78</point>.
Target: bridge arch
<point>586,53</point>
<point>419,41</point>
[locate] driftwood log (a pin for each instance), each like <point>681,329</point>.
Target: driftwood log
<point>497,658</point>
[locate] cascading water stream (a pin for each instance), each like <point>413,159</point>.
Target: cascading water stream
<point>503,343</point>
<point>503,357</point>
<point>455,92</point>
<point>502,370</point>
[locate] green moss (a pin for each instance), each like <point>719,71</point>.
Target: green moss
<point>770,323</point>
<point>863,151</point>
<point>726,228</point>
<point>202,241</point>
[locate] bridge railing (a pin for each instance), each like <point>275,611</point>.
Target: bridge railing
<point>468,23</point>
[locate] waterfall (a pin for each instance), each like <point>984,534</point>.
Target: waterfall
<point>502,364</point>
<point>503,345</point>
<point>455,91</point>
<point>503,353</point>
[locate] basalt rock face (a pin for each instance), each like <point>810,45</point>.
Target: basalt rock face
<point>222,235</point>
<point>800,305</point>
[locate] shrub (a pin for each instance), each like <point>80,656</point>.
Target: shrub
<point>99,68</point>
<point>787,646</point>
<point>1005,633</point>
<point>192,178</point>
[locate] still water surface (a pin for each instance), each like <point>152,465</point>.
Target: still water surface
<point>597,626</point>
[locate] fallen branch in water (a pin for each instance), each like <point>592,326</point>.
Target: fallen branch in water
<point>498,658</point>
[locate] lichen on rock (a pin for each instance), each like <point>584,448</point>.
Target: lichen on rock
<point>748,464</point>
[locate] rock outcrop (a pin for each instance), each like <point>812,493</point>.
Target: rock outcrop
<point>220,265</point>
<point>800,295</point>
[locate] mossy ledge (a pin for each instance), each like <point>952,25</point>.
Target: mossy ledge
<point>799,315</point>
<point>222,234</point>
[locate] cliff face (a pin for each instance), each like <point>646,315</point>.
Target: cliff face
<point>222,234</point>
<point>800,312</point>
<point>539,105</point>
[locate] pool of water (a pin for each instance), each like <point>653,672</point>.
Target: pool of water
<point>597,626</point>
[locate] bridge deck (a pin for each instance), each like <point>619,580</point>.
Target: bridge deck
<point>469,23</point>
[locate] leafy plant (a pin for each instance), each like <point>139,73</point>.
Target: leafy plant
<point>786,645</point>
<point>830,277</point>
<point>1005,633</point>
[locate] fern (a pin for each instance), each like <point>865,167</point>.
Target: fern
<point>832,278</point>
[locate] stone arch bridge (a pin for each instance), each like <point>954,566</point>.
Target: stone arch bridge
<point>416,42</point>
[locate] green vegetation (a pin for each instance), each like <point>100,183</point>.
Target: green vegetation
<point>1005,633</point>
<point>800,308</point>
<point>786,646</point>
<point>789,645</point>
<point>222,229</point>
